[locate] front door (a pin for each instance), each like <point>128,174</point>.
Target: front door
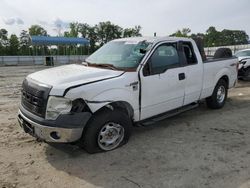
<point>162,81</point>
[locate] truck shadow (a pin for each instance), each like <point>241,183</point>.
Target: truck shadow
<point>123,167</point>
<point>128,166</point>
<point>155,155</point>
<point>131,165</point>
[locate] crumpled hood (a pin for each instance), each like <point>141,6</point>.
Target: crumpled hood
<point>63,77</point>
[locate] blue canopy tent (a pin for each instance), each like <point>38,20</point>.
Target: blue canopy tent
<point>58,41</point>
<point>44,40</point>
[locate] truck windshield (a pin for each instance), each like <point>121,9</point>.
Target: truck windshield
<point>119,54</point>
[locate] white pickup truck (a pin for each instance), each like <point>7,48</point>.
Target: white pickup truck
<point>126,82</point>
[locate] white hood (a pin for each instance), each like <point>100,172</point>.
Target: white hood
<point>63,77</point>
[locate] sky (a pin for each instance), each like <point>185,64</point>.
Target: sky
<point>161,16</point>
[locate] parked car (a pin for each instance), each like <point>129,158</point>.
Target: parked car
<point>126,82</point>
<point>244,64</point>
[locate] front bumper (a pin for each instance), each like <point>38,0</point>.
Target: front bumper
<point>60,134</point>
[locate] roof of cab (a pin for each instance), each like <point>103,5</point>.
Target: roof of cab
<point>153,39</point>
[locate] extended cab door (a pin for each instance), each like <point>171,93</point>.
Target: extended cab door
<point>163,80</point>
<point>194,72</point>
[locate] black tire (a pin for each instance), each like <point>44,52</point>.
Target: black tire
<point>90,137</point>
<point>246,75</point>
<point>213,102</point>
<point>223,53</point>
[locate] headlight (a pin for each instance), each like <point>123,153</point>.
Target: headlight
<point>57,106</point>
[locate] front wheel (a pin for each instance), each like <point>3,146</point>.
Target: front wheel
<point>219,96</point>
<point>106,130</point>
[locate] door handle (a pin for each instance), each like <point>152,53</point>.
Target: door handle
<point>182,76</point>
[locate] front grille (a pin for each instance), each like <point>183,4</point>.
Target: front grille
<point>35,97</point>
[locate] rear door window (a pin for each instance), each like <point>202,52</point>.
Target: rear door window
<point>189,53</point>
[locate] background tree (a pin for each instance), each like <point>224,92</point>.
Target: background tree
<point>233,37</point>
<point>37,30</point>
<point>74,29</point>
<point>106,31</point>
<point>225,37</point>
<point>89,32</point>
<point>73,32</point>
<point>24,42</point>
<point>13,48</point>
<point>132,32</point>
<point>99,34</point>
<point>93,38</point>
<point>181,33</point>
<point>83,29</point>
<point>213,37</point>
<point>102,33</point>
<point>3,41</point>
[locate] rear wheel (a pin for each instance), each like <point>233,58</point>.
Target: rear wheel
<point>219,96</point>
<point>106,130</point>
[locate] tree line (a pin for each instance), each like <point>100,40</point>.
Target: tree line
<point>213,37</point>
<point>100,34</point>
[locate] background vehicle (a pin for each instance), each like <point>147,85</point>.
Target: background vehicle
<point>244,64</point>
<point>127,81</point>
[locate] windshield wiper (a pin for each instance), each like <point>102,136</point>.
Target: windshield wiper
<point>86,63</point>
<point>106,65</point>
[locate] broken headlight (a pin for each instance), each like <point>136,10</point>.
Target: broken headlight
<point>57,106</point>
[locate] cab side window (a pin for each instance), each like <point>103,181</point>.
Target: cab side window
<point>164,57</point>
<point>189,53</point>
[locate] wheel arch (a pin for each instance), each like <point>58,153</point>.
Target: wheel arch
<point>222,75</point>
<point>116,98</point>
<point>226,79</point>
<point>119,105</point>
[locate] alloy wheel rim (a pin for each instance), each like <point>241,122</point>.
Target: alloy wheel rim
<point>110,136</point>
<point>221,93</point>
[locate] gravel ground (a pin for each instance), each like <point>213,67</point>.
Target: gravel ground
<point>196,149</point>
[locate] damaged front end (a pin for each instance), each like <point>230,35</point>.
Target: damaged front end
<point>64,120</point>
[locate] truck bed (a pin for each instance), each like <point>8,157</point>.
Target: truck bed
<point>212,72</point>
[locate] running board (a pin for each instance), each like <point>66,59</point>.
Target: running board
<point>166,115</point>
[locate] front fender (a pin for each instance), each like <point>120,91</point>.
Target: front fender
<point>114,95</point>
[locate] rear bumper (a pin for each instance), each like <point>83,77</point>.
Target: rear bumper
<point>49,133</point>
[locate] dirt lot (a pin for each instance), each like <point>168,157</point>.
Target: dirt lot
<point>196,149</point>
